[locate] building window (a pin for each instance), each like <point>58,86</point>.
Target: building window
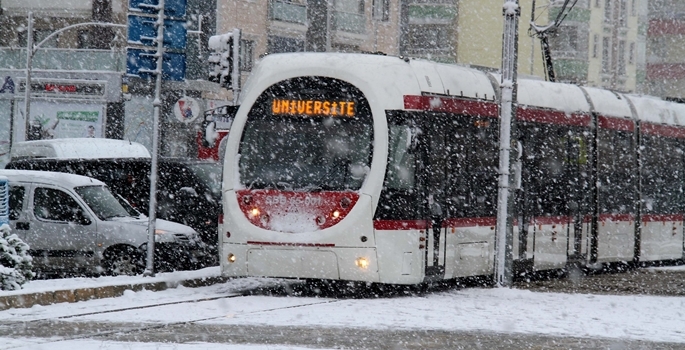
<point>381,10</point>
<point>621,57</point>
<point>598,3</point>
<point>84,39</point>
<point>606,62</point>
<point>623,14</point>
<point>350,6</point>
<point>279,44</point>
<point>631,54</point>
<point>246,55</point>
<point>38,36</point>
<point>429,37</point>
<point>595,45</point>
<point>565,40</point>
<point>607,11</point>
<point>633,8</point>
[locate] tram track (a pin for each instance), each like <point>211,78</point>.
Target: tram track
<point>93,329</point>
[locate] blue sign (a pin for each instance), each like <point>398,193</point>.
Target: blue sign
<point>142,31</point>
<point>143,63</point>
<point>172,8</point>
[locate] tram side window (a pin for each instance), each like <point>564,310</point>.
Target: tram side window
<point>545,163</point>
<point>472,190</point>
<point>616,175</point>
<point>401,166</point>
<point>399,198</point>
<point>662,174</point>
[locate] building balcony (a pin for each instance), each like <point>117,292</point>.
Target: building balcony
<point>65,59</point>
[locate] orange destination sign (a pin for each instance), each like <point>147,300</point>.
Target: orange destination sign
<point>314,108</point>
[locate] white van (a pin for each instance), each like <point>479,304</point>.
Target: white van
<point>73,223</point>
<point>78,148</point>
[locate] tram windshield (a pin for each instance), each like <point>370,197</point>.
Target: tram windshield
<point>317,139</point>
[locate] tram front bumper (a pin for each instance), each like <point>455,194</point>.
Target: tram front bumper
<point>354,264</point>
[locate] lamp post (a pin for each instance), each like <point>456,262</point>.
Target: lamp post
<point>32,49</point>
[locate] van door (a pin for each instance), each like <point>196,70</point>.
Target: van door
<point>18,218</point>
<point>62,234</point>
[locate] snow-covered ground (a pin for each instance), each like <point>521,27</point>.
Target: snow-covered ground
<point>632,317</point>
<point>36,286</point>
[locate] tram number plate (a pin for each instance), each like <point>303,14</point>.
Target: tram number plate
<point>282,200</point>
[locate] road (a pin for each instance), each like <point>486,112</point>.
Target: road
<point>210,311</point>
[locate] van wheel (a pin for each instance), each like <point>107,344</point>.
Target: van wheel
<point>123,261</point>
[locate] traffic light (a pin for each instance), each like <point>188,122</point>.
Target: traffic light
<point>222,62</point>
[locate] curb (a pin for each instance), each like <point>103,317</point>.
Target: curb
<point>83,294</point>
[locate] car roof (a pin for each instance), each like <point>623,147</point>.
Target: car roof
<point>79,148</point>
<point>49,177</point>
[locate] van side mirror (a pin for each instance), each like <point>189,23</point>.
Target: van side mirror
<point>81,219</point>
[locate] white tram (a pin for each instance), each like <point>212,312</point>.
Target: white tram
<point>383,169</point>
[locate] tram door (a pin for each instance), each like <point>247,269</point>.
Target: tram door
<point>578,201</point>
<point>433,155</point>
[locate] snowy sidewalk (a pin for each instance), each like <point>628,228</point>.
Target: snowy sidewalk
<point>46,292</point>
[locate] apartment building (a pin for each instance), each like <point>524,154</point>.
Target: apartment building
<point>452,31</point>
<point>602,43</point>
<point>666,49</point>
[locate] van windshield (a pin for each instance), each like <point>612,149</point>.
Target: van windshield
<point>210,174</point>
<point>102,202</point>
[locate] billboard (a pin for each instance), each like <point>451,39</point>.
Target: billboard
<point>50,120</point>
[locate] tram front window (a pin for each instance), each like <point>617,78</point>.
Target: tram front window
<point>305,153</point>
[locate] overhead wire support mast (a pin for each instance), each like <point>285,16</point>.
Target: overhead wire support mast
<point>543,32</point>
<point>504,230</point>
<point>157,103</point>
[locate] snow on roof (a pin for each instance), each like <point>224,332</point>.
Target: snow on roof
<point>79,148</point>
<point>655,110</point>
<point>562,97</point>
<point>444,79</point>
<point>608,103</point>
<point>380,78</point>
<point>48,177</point>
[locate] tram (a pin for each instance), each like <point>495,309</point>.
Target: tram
<point>384,169</point>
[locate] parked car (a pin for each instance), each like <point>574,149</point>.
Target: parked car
<point>188,191</point>
<point>74,224</point>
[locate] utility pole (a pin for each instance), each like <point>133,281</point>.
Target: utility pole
<point>157,103</point>
<point>504,231</point>
<point>27,81</point>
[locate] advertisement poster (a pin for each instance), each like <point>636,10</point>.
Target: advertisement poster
<point>65,120</point>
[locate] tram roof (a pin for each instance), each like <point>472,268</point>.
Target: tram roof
<point>608,103</point>
<point>655,110</point>
<point>380,78</point>
<point>390,78</point>
<point>562,97</point>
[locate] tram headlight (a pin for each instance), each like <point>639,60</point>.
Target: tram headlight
<point>362,263</point>
<point>335,214</point>
<point>231,258</point>
<point>254,212</point>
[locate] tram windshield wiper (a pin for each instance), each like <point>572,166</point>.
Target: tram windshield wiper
<point>312,188</point>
